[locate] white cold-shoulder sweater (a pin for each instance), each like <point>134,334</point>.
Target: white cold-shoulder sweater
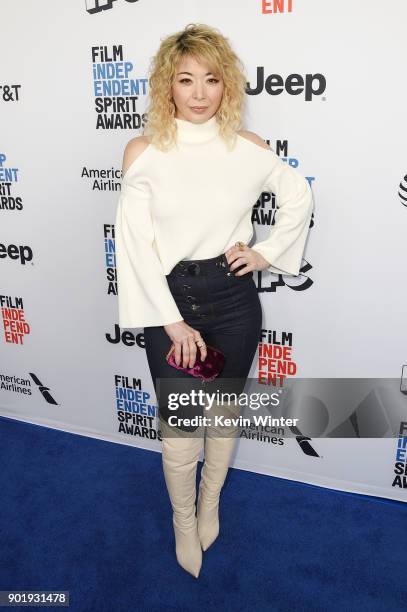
<point>194,202</point>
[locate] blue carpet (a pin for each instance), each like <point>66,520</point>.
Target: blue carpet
<point>94,518</point>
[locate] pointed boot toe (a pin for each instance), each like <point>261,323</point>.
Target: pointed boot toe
<point>188,549</point>
<point>180,457</point>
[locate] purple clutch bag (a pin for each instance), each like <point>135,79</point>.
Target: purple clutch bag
<point>207,370</point>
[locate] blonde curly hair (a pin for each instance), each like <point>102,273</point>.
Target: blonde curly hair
<point>204,43</point>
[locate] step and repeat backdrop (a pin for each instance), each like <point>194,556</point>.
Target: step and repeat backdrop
<point>325,90</point>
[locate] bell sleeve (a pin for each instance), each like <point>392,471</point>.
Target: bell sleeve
<point>144,297</point>
<point>284,246</point>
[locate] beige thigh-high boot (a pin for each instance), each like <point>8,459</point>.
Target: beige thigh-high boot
<point>220,443</point>
<point>179,458</point>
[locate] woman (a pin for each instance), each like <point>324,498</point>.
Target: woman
<point>184,267</point>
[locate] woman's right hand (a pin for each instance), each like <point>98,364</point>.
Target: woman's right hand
<point>184,339</point>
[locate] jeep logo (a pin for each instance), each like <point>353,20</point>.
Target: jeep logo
<point>294,84</point>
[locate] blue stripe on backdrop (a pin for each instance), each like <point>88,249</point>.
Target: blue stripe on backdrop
<point>94,518</point>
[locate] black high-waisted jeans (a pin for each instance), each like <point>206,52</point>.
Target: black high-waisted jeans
<point>224,308</point>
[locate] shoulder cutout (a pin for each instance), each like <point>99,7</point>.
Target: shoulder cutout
<point>133,149</point>
<point>254,138</point>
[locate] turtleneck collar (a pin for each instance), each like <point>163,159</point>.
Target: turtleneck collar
<point>187,131</point>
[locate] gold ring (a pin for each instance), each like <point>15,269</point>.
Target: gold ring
<point>240,245</point>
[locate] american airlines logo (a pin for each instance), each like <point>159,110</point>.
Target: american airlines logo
<point>44,390</point>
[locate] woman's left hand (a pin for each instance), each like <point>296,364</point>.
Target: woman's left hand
<point>248,257</point>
